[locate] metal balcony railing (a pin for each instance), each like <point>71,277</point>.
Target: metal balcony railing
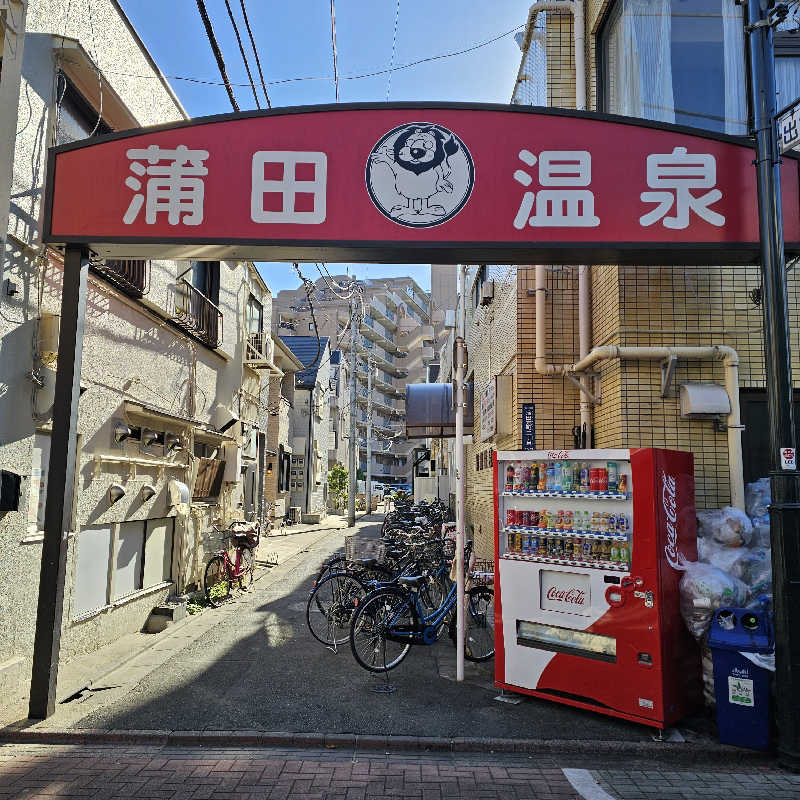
<point>195,313</point>
<point>130,276</point>
<point>258,349</point>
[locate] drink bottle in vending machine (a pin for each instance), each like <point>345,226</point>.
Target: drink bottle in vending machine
<point>587,547</point>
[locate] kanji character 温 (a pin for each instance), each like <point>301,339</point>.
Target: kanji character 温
<point>565,205</point>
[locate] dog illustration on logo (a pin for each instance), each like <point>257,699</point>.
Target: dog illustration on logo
<point>429,175</point>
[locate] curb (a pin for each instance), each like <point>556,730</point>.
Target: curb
<point>676,753</point>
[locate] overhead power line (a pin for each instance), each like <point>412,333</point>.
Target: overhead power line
<point>335,54</point>
<point>201,7</point>
<point>244,55</point>
<point>394,49</point>
<point>281,81</point>
<point>255,53</point>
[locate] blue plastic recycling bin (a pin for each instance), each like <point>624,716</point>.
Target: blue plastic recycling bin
<point>741,687</point>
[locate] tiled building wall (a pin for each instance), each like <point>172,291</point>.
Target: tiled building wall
<point>555,398</point>
<point>492,346</point>
<point>560,60</point>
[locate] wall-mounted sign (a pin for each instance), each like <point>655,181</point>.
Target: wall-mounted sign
<point>528,426</point>
<point>496,407</point>
<point>789,128</point>
<point>377,182</point>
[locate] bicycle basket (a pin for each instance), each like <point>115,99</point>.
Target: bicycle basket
<point>356,548</point>
<point>449,548</point>
<point>249,531</point>
<point>482,573</point>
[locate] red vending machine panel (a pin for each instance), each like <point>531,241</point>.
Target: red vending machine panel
<point>586,586</point>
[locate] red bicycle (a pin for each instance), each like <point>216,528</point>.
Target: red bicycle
<point>221,571</point>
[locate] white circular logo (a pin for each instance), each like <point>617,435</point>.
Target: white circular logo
<point>420,175</point>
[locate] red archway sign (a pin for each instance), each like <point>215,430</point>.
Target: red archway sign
<point>413,182</point>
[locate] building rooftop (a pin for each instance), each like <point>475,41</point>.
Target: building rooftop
<point>305,349</point>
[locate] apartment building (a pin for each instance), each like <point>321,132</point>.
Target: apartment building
<point>309,426</point>
<point>674,62</point>
<point>176,358</point>
<point>396,340</point>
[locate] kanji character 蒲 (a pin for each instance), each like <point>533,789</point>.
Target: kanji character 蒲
<point>679,172</point>
<point>175,187</point>
<point>568,204</point>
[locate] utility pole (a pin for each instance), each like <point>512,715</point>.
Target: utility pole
<point>460,349</point>
<point>369,435</point>
<point>784,478</point>
<point>353,459</point>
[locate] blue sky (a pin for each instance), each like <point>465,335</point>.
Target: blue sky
<point>294,40</point>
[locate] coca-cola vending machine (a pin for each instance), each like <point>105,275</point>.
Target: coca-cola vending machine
<point>586,586</point>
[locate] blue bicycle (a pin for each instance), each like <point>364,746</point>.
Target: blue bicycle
<point>389,620</point>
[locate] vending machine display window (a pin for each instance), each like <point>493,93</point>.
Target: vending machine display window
<point>588,545</point>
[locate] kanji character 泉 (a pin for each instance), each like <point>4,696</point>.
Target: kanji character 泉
<point>175,187</point>
<point>679,172</point>
<point>289,187</point>
<point>565,206</point>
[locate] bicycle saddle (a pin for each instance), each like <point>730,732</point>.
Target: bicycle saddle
<point>410,581</point>
<point>367,562</point>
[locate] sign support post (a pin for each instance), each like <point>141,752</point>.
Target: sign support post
<point>460,478</point>
<point>368,484</point>
<point>353,449</point>
<point>60,485</point>
<point>784,478</point>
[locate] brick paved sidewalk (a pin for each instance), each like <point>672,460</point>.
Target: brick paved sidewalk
<point>153,772</point>
<point>198,774</point>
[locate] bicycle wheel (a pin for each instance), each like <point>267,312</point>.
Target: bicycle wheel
<point>216,582</point>
<point>331,605</point>
<point>336,563</point>
<point>432,593</point>
<point>479,645</point>
<point>377,614</point>
<point>247,568</point>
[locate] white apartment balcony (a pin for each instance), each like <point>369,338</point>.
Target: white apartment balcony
<point>419,302</point>
<point>382,313</point>
<point>259,351</point>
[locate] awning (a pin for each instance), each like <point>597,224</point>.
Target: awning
<point>158,415</point>
<point>87,77</point>
<point>430,411</point>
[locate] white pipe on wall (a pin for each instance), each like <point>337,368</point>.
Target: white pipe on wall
<point>730,361</point>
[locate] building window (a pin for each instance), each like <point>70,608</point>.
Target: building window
<point>77,119</point>
<point>311,326</point>
<point>787,68</point>
<point>255,316</point>
<point>204,276</point>
<point>676,61</point>
<point>480,279</point>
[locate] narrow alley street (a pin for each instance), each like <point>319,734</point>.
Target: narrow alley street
<point>259,697</point>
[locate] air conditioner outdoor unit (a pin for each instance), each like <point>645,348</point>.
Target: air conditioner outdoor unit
<point>487,293</point>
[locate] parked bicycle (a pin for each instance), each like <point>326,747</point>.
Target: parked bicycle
<point>221,572</point>
<point>391,619</point>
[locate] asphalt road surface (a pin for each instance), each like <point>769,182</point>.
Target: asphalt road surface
<point>261,669</point>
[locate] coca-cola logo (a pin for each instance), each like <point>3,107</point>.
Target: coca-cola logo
<point>669,501</point>
<point>575,596</point>
<point>558,455</point>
